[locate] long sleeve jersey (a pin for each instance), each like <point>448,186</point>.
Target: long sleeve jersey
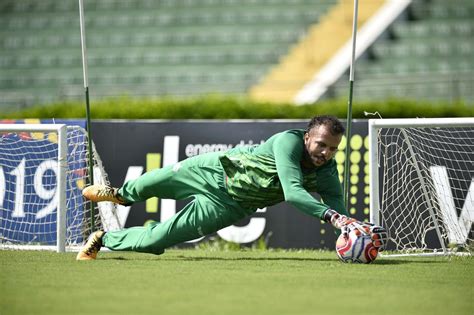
<point>270,173</point>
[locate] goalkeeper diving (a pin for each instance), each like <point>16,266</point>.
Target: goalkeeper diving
<point>229,186</point>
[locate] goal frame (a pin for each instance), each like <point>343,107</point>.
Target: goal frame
<point>61,130</point>
<point>374,125</point>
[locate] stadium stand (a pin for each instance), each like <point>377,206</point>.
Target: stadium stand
<point>145,47</point>
<point>427,54</point>
<point>189,47</point>
<point>313,52</point>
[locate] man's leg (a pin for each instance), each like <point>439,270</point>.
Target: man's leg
<point>211,210</point>
<point>200,217</point>
<point>198,175</point>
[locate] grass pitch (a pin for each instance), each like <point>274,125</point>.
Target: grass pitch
<point>232,282</point>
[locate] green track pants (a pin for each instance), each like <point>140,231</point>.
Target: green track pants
<point>201,177</point>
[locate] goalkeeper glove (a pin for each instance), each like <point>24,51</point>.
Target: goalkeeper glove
<point>377,233</point>
<point>337,220</point>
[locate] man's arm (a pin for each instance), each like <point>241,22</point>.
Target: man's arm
<point>330,189</point>
<point>288,150</point>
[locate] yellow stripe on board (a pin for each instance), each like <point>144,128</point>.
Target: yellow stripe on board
<point>309,55</point>
<point>35,135</point>
<point>32,121</point>
<point>153,161</point>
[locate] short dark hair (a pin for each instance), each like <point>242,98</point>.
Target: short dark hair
<point>334,124</point>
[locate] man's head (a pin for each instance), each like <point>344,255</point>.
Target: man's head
<point>321,139</point>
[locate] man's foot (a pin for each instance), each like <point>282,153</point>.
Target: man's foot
<point>98,193</point>
<point>92,247</point>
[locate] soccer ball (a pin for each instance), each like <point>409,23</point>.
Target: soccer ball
<point>356,247</point>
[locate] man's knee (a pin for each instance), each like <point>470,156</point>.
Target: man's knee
<point>151,240</point>
<point>151,249</point>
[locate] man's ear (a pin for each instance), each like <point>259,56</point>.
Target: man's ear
<point>306,136</point>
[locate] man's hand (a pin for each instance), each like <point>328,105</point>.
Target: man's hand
<point>377,233</point>
<point>338,220</point>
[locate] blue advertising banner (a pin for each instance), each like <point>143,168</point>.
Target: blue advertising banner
<point>28,194</point>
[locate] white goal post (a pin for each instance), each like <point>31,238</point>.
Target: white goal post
<point>43,168</point>
<point>422,183</point>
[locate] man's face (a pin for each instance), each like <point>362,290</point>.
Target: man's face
<point>320,145</point>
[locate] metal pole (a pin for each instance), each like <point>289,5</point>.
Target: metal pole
<point>347,174</point>
<point>61,182</point>
<point>86,89</point>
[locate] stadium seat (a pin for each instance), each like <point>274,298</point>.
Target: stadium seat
<point>170,46</point>
<point>434,40</point>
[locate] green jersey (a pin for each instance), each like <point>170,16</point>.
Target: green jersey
<point>264,175</point>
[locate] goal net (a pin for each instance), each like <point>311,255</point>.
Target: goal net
<point>43,169</point>
<point>421,178</point>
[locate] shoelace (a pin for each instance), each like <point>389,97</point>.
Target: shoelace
<point>107,192</point>
<point>95,246</point>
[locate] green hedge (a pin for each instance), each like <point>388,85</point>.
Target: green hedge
<point>220,107</point>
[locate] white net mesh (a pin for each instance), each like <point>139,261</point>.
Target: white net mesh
<point>28,194</point>
<point>427,191</point>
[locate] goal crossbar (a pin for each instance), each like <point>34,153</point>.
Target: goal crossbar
<point>421,122</point>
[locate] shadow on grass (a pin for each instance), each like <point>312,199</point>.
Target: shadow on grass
<point>393,261</point>
<point>381,261</point>
<point>103,257</point>
<point>197,258</point>
<point>377,262</point>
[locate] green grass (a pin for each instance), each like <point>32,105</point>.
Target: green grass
<point>232,282</point>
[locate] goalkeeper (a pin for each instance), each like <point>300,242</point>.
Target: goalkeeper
<point>228,186</point>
